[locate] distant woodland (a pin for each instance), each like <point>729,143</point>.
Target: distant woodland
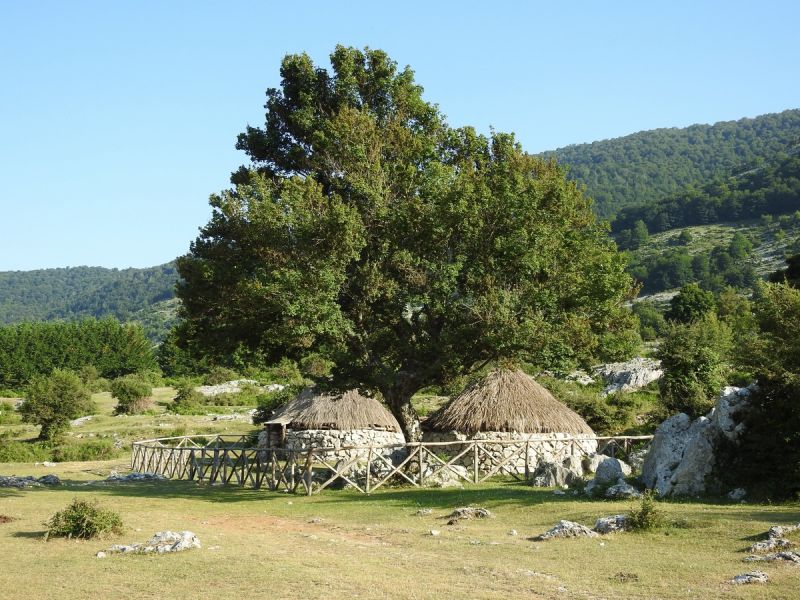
<point>645,167</point>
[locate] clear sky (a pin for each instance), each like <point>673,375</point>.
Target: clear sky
<point>118,119</point>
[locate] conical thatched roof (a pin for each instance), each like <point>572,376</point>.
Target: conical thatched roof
<point>507,400</point>
<point>346,411</point>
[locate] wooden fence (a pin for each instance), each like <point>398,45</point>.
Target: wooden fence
<point>218,459</point>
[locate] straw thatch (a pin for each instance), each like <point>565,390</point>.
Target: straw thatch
<point>507,400</point>
<point>347,411</point>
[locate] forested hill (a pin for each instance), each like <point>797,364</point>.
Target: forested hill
<point>648,166</point>
<point>75,292</point>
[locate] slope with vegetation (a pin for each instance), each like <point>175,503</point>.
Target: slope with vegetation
<point>142,295</point>
<point>645,167</point>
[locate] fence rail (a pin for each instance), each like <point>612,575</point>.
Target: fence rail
<point>220,459</point>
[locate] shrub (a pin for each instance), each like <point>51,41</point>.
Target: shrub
<point>133,394</point>
<point>316,366</point>
<point>52,401</point>
<point>101,449</point>
<point>219,375</point>
<point>83,519</point>
<point>272,400</point>
<point>188,400</point>
<point>8,414</point>
<point>646,516</point>
<point>693,357</point>
<point>16,451</point>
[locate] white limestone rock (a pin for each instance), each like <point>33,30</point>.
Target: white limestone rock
<point>622,491</point>
<point>682,459</point>
<point>612,524</point>
<point>750,577</point>
<point>565,529</point>
<point>630,375</point>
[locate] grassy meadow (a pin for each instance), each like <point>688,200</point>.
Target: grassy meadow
<point>341,544</point>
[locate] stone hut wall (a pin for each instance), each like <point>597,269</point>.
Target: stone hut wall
<point>303,440</point>
<point>556,448</point>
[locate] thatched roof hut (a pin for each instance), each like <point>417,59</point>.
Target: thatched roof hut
<point>347,411</point>
<point>507,400</point>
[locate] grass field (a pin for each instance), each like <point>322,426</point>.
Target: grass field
<point>342,544</point>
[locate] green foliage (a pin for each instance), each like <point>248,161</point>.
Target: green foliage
<point>316,366</point>
<point>652,324</point>
<point>690,304</point>
<point>13,451</point>
<point>94,449</point>
<point>271,401</point>
<point>8,414</point>
<point>646,516</point>
<point>694,359</point>
<point>402,250</point>
<point>644,168</point>
<point>31,349</point>
<point>767,461</point>
<point>188,400</point>
<point>218,375</point>
<point>84,519</point>
<point>80,292</point>
<point>132,393</point>
<point>53,400</point>
<point>789,275</point>
<point>606,415</point>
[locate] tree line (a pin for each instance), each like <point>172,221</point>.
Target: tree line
<point>773,189</point>
<point>645,167</point>
<point>112,348</point>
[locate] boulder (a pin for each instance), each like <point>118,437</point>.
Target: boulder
<point>565,529</point>
<point>553,475</point>
<point>611,524</point>
<point>622,491</point>
<point>610,470</point>
<point>682,459</point>
<point>737,495</point>
<point>467,513</point>
<point>751,577</point>
<point>629,376</point>
<point>162,542</point>
<point>786,555</point>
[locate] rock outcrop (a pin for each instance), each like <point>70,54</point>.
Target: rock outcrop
<point>161,543</point>
<point>565,529</point>
<point>611,524</point>
<point>629,376</point>
<point>751,577</point>
<point>609,480</point>
<point>235,386</point>
<point>682,458</point>
<point>28,481</point>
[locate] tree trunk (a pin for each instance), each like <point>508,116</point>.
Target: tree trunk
<point>398,397</point>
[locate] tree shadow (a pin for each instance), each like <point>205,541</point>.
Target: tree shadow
<point>30,535</point>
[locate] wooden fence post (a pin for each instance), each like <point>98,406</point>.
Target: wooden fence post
<point>421,462</point>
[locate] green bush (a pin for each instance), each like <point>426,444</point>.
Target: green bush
<point>132,393</point>
<point>694,359</point>
<point>272,400</point>
<point>52,401</point>
<point>83,519</point>
<point>95,449</point>
<point>646,516</point>
<point>8,414</point>
<point>12,451</point>
<point>188,400</point>
<point>218,375</point>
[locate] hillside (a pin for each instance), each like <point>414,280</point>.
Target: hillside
<point>142,295</point>
<point>648,166</point>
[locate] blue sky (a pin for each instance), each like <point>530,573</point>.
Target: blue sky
<point>117,120</point>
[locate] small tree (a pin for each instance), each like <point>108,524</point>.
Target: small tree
<point>693,357</point>
<point>133,394</point>
<point>52,401</point>
<point>691,303</point>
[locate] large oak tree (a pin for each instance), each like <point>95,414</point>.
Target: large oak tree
<point>408,252</point>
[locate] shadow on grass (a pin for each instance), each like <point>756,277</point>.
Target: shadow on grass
<point>29,535</point>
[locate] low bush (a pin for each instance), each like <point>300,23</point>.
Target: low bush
<point>133,394</point>
<point>83,519</point>
<point>17,451</point>
<point>268,402</point>
<point>646,516</point>
<point>8,414</point>
<point>188,400</point>
<point>101,449</point>
<point>218,375</point>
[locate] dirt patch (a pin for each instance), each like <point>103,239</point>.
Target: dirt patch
<point>5,519</point>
